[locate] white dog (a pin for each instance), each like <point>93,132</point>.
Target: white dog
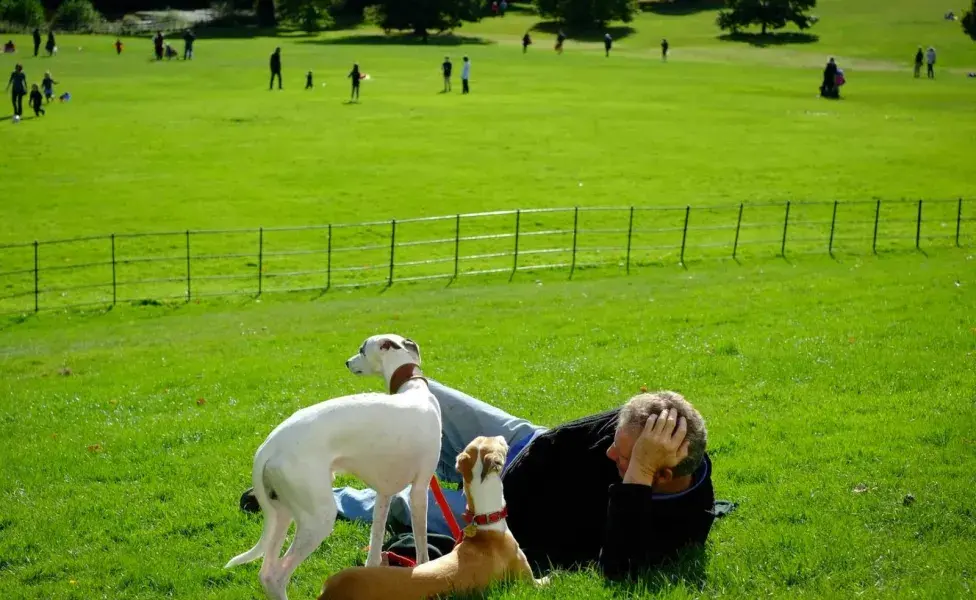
<point>388,441</point>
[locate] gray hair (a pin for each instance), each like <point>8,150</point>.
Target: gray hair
<point>638,410</point>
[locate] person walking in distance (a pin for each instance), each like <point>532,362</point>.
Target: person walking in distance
<point>188,39</point>
<point>465,76</point>
<point>275,68</point>
<point>158,45</point>
<point>356,77</point>
<point>560,38</point>
<point>18,80</point>
<point>37,40</point>
<point>664,49</point>
<point>526,42</point>
<point>919,57</point>
<point>930,60</point>
<point>607,43</point>
<point>51,45</point>
<point>447,68</point>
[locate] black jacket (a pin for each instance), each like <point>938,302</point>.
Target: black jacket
<point>568,507</point>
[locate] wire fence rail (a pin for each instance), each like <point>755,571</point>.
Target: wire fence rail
<point>192,264</point>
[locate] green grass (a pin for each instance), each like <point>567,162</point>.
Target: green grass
<point>814,378</point>
<point>816,375</point>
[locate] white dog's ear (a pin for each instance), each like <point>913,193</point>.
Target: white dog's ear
<point>387,344</point>
<point>412,346</point>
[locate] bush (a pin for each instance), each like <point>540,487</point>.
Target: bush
<point>27,13</point>
<point>77,15</point>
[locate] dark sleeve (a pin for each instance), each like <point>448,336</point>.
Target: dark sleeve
<point>641,533</point>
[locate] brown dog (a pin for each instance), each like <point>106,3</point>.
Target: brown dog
<point>488,552</point>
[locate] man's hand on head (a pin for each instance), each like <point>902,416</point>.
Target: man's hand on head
<point>661,445</point>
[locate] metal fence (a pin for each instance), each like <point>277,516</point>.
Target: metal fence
<point>187,265</point>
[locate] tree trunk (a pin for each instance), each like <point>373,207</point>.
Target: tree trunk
<point>764,29</point>
<point>422,32</point>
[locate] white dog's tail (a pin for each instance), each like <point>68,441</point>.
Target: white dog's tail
<point>259,549</point>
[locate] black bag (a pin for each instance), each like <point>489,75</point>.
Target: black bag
<point>405,545</point>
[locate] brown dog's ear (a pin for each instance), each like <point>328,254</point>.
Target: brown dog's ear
<point>387,344</point>
<point>464,464</point>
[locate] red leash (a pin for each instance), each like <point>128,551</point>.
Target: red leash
<point>435,487</point>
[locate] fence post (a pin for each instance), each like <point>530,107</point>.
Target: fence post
<point>874,239</point>
<point>113,271</point>
<point>833,221</point>
<point>328,260</point>
<point>572,268</point>
<point>738,225</point>
<point>188,287</point>
<point>457,244</point>
<point>958,221</point>
<point>36,289</point>
<point>389,281</point>
<point>630,234</point>
<point>786,222</point>
<point>518,219</point>
<point>918,225</point>
<point>260,259</point>
<point>684,234</point>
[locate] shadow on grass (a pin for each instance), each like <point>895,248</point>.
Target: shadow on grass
<point>770,39</point>
<point>401,39</point>
<point>689,569</point>
<point>678,8</point>
<point>618,32</point>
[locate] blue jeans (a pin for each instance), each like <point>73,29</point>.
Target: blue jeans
<point>463,418</point>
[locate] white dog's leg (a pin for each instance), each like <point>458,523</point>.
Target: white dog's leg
<point>272,552</point>
<point>381,510</point>
<point>418,517</point>
<point>310,530</point>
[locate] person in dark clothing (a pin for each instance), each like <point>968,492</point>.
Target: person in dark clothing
<point>37,41</point>
<point>664,49</point>
<point>526,42</point>
<point>158,45</point>
<point>560,38</point>
<point>447,68</point>
<point>607,43</point>
<point>48,84</point>
<point>118,46</point>
<point>36,101</point>
<point>828,88</point>
<point>275,68</point>
<point>625,489</point>
<point>356,77</point>
<point>919,57</point>
<point>308,81</point>
<point>188,39</point>
<point>51,45</point>
<point>18,80</point>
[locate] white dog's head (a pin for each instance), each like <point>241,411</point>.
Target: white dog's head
<point>382,354</point>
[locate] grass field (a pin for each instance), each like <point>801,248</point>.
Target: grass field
<point>833,387</point>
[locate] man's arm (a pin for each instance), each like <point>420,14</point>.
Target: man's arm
<point>641,533</point>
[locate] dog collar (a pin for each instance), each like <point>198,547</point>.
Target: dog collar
<point>485,519</point>
<point>403,374</point>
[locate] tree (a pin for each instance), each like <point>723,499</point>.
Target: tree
<point>770,14</point>
<point>28,13</point>
<point>310,15</point>
<point>969,21</point>
<point>76,15</point>
<point>265,10</point>
<point>584,13</point>
<point>422,16</point>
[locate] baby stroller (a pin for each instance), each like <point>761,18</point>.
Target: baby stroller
<point>834,91</point>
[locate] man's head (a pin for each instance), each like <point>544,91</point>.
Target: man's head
<point>633,417</point>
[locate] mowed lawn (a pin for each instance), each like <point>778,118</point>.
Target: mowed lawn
<point>203,144</point>
<point>835,389</point>
<point>832,391</point>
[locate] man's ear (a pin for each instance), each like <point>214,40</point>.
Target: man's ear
<point>387,344</point>
<point>664,475</point>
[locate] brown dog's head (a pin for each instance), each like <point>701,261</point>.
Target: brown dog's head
<point>482,457</point>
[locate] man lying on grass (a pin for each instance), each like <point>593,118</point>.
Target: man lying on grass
<point>568,505</point>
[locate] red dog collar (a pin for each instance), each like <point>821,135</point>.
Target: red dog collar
<point>488,519</point>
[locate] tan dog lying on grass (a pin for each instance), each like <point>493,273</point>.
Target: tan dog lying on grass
<point>488,552</point>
